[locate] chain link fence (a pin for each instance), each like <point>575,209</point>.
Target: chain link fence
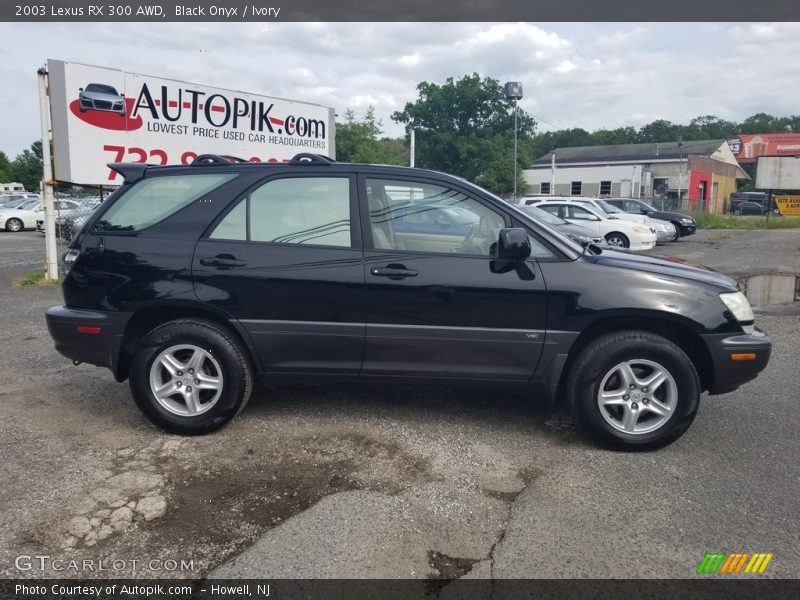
<point>73,208</point>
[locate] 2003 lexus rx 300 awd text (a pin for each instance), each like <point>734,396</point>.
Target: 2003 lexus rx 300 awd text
<point>190,281</point>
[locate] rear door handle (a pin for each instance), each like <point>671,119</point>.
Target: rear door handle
<point>222,260</point>
<point>393,272</point>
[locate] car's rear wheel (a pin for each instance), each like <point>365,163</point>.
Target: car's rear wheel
<point>634,390</point>
<point>618,240</point>
<point>190,376</point>
<point>14,225</point>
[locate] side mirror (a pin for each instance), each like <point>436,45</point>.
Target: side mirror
<point>80,89</point>
<point>514,244</point>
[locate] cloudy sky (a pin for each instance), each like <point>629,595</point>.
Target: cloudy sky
<point>588,75</point>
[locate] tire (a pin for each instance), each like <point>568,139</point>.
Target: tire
<point>678,232</point>
<point>600,368</point>
<point>183,345</point>
<point>617,240</point>
<point>737,212</point>
<point>14,225</point>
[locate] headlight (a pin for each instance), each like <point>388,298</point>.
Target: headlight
<point>737,303</point>
<point>638,229</point>
<point>687,221</point>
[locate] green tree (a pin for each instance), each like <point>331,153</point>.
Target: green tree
<point>710,127</point>
<point>659,131</point>
<point>466,127</point>
<point>621,135</point>
<point>760,123</point>
<point>6,169</point>
<point>359,141</point>
<point>27,167</point>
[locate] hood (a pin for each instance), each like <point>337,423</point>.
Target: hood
<point>672,267</point>
<point>669,216</point>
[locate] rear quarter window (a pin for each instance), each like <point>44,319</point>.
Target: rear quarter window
<point>153,200</point>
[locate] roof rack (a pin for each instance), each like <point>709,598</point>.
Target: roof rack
<point>216,159</point>
<point>307,158</point>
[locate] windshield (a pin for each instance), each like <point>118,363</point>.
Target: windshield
<point>609,208</point>
<point>15,203</point>
<point>543,215</point>
<point>101,89</point>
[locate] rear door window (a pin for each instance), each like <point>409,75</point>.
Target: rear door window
<point>153,200</point>
<point>296,210</point>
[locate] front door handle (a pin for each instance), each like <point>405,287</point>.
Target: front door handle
<point>222,260</point>
<point>393,272</point>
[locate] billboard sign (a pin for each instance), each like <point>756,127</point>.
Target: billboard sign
<point>102,115</point>
<point>747,148</point>
<point>774,173</point>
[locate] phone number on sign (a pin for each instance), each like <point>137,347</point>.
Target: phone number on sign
<point>160,157</point>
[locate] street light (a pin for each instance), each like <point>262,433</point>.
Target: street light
<point>513,91</point>
<point>680,170</point>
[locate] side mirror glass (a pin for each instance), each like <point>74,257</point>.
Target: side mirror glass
<point>514,244</point>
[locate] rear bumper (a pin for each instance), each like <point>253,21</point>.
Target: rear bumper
<point>730,374</point>
<point>99,348</point>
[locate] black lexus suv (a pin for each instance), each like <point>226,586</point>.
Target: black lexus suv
<point>190,281</point>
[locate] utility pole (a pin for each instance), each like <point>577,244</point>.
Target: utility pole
<point>513,91</point>
<point>680,170</point>
<point>51,251</point>
<point>411,144</point>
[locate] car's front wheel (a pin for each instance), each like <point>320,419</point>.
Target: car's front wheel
<point>14,225</point>
<point>190,376</point>
<point>618,240</point>
<point>634,390</point>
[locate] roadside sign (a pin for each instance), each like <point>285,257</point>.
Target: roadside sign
<point>788,205</point>
<point>102,115</point>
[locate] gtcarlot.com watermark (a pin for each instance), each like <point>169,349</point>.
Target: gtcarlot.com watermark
<point>44,562</point>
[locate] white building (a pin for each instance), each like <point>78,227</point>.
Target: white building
<point>703,172</point>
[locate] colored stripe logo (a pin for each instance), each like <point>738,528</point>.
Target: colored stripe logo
<point>722,563</point>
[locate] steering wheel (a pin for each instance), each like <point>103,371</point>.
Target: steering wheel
<point>476,243</point>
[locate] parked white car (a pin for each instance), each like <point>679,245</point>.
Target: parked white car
<point>665,230</point>
<point>620,233</point>
<point>25,215</point>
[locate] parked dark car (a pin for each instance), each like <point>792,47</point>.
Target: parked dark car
<point>191,281</point>
<point>750,208</point>
<point>684,224</point>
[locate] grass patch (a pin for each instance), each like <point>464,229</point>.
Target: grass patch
<point>36,278</point>
<point>711,221</point>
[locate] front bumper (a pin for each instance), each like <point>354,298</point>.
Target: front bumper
<point>97,347</point>
<point>688,229</point>
<point>665,235</point>
<point>730,374</point>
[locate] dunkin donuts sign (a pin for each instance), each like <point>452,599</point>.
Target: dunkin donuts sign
<point>747,148</point>
<point>104,115</point>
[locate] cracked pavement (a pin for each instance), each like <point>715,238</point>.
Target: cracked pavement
<point>391,482</point>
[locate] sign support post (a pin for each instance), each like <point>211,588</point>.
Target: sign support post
<point>51,251</point>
